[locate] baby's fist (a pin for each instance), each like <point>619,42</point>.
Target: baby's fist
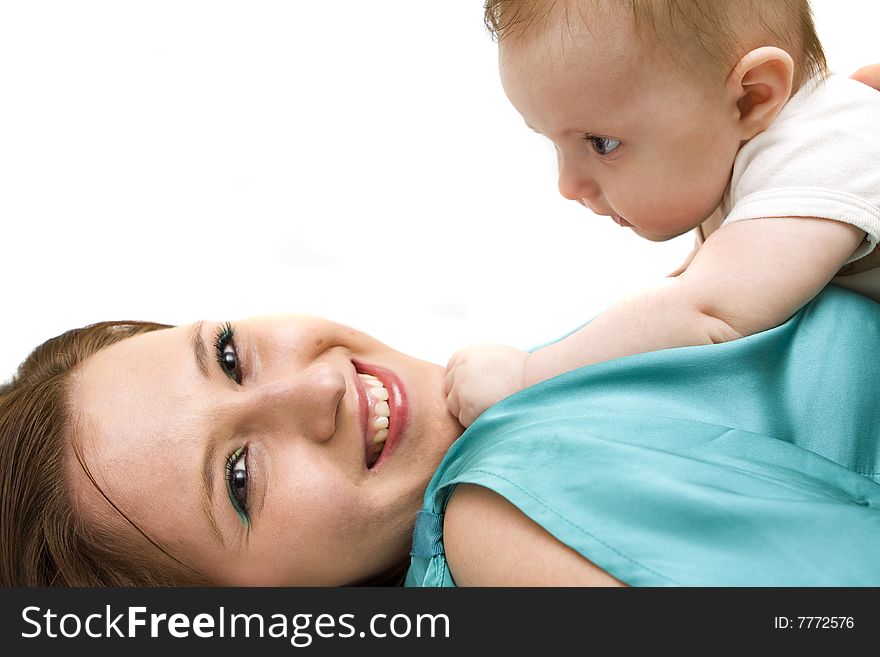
<point>479,376</point>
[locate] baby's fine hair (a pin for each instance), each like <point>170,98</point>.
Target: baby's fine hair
<point>708,35</point>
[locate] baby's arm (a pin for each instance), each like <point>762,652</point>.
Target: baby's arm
<point>747,277</point>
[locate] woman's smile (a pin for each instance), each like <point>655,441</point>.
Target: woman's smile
<point>384,411</point>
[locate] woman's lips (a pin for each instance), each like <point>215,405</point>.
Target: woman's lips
<point>375,415</point>
<point>371,407</point>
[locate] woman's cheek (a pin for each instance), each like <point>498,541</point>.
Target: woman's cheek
<point>325,504</point>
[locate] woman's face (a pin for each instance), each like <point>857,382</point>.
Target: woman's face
<point>249,450</point>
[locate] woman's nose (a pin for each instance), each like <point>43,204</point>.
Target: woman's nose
<point>575,183</point>
<point>305,402</point>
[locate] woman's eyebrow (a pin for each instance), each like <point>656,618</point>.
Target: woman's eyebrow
<point>200,350</point>
<point>208,489</point>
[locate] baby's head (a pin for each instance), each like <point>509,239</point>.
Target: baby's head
<point>648,101</point>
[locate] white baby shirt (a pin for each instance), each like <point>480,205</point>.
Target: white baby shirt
<point>819,158</point>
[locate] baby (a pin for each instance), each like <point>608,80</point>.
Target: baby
<point>678,115</point>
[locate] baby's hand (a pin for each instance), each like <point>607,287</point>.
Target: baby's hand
<point>479,376</point>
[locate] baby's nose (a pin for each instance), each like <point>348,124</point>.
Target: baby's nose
<point>597,206</point>
<point>576,185</point>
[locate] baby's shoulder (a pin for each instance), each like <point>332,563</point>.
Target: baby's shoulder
<point>837,99</point>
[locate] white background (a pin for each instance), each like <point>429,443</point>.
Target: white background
<point>178,159</point>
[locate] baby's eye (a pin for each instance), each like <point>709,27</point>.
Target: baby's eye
<point>603,145</point>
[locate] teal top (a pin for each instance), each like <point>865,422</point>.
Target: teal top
<point>748,463</point>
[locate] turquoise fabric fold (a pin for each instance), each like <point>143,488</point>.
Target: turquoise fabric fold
<point>749,463</point>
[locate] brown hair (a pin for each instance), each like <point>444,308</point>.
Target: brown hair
<point>719,32</point>
<point>43,542</point>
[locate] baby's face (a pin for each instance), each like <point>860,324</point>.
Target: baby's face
<point>638,138</point>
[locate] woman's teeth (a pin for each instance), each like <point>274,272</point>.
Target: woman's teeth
<point>382,412</point>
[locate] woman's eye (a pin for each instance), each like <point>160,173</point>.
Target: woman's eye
<point>229,361</point>
<point>603,145</point>
<point>227,357</point>
<point>237,482</point>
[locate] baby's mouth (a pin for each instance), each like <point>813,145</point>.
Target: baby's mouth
<point>378,416</point>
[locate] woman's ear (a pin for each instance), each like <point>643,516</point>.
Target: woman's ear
<point>761,84</point>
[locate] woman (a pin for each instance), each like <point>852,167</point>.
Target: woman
<point>296,451</point>
<point>190,454</point>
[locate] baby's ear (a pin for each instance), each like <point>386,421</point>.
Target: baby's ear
<point>761,84</point>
